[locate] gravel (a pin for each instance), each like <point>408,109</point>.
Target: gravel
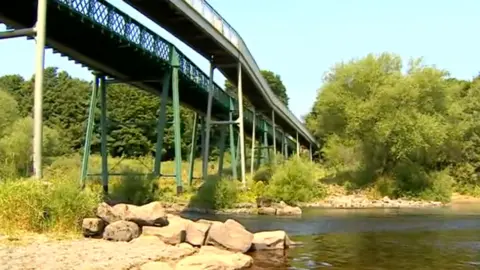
<point>86,254</point>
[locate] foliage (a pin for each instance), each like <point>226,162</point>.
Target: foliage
<point>216,193</point>
<point>378,122</point>
<point>296,181</point>
<point>57,205</point>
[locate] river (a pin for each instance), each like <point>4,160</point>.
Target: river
<point>444,238</point>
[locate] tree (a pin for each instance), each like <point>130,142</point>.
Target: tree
<point>376,122</point>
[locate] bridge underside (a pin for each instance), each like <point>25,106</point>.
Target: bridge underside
<point>191,32</point>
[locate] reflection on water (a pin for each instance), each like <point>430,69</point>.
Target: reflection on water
<point>437,239</point>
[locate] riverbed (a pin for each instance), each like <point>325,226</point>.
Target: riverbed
<point>434,238</point>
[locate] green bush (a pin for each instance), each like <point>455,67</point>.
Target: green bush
<point>440,188</point>
<point>216,193</point>
<point>296,181</point>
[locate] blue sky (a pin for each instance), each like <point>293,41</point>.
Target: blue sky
<point>302,39</point>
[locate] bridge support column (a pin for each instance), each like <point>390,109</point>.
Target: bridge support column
<point>193,146</point>
<point>103,133</point>
<point>176,120</point>
<point>282,143</point>
<point>208,120</point>
<point>162,120</point>
<point>311,153</point>
<point>40,29</point>
<point>274,138</point>
<point>233,154</point>
<point>252,154</point>
<point>223,136</point>
<point>89,132</point>
<point>286,145</point>
<point>298,146</point>
<point>240,125</point>
<point>265,148</point>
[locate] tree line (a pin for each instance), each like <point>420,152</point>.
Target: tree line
<point>132,114</point>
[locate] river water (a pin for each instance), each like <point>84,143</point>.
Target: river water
<point>445,238</point>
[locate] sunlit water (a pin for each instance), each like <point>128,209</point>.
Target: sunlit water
<point>447,238</point>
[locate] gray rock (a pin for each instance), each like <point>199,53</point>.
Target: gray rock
<point>197,233</point>
<point>267,211</point>
<point>121,231</point>
<point>92,227</point>
<point>230,235</point>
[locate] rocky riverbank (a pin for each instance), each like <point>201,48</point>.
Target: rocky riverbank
<point>356,201</point>
<point>180,243</point>
<point>362,201</point>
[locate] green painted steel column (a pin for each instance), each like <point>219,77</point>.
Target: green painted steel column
<point>162,120</point>
<point>274,128</point>
<point>89,132</point>
<point>202,139</point>
<point>237,157</point>
<point>193,146</point>
<point>103,133</point>
<point>176,121</point>
<point>286,146</point>
<point>283,143</point>
<point>265,143</point>
<point>298,146</point>
<point>223,137</point>
<point>252,153</point>
<point>233,159</point>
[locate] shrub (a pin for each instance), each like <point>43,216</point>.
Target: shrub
<point>58,205</point>
<point>296,181</point>
<point>216,193</point>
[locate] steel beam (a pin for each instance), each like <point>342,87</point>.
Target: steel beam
<point>208,119</point>
<point>252,155</point>
<point>162,120</point>
<point>176,121</point>
<point>89,131</point>
<point>240,125</point>
<point>17,33</point>
<point>193,146</point>
<point>103,133</point>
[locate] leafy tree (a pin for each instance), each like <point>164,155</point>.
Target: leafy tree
<point>376,121</point>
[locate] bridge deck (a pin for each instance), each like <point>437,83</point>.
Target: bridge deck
<point>197,24</point>
<point>101,37</point>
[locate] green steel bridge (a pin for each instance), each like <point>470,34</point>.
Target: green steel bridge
<point>117,48</point>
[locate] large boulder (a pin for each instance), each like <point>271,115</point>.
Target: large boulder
<point>92,226</point>
<point>230,235</point>
<point>284,209</point>
<point>212,258</point>
<point>152,214</point>
<point>267,211</point>
<point>169,234</point>
<point>197,233</point>
<point>270,240</point>
<point>121,231</point>
<point>108,213</point>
